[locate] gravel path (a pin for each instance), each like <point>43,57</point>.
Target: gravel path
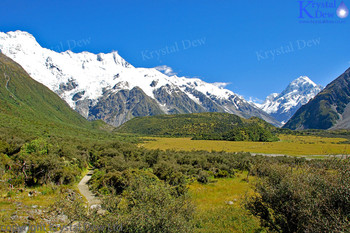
<point>92,200</point>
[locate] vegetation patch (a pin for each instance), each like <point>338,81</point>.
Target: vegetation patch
<point>219,206</point>
<point>288,145</point>
<point>199,126</point>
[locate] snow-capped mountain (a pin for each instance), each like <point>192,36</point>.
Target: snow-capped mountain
<point>105,86</point>
<point>329,109</point>
<point>283,106</point>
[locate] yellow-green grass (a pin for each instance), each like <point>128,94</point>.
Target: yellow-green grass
<point>214,214</point>
<point>288,145</point>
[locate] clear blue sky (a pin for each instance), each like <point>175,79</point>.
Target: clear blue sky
<point>229,38</point>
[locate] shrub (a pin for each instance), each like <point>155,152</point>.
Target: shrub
<point>304,199</point>
<point>203,177</point>
<point>150,205</point>
<point>221,174</point>
<point>146,204</point>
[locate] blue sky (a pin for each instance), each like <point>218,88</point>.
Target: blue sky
<point>256,46</point>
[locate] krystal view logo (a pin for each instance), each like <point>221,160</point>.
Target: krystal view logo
<point>322,11</point>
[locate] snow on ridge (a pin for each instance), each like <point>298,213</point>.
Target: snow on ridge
<point>93,72</point>
<point>304,79</point>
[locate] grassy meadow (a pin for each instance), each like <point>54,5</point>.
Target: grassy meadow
<point>288,145</point>
<point>213,211</point>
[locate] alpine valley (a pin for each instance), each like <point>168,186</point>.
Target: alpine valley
<point>106,87</point>
<point>91,143</point>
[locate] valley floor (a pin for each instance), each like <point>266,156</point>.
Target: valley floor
<point>288,145</point>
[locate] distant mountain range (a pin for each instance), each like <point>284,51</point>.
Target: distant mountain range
<point>329,109</point>
<point>283,106</point>
<point>106,87</point>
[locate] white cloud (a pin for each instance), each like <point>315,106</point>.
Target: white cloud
<point>221,84</point>
<point>167,70</point>
<point>256,101</point>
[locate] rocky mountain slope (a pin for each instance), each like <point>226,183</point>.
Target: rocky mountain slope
<point>329,109</point>
<point>282,106</point>
<point>105,86</point>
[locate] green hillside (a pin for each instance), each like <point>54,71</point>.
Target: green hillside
<point>29,107</point>
<point>212,126</point>
<point>40,130</point>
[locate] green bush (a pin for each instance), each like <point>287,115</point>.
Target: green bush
<point>203,177</point>
<point>221,174</point>
<point>304,199</point>
<point>145,204</point>
<point>149,205</point>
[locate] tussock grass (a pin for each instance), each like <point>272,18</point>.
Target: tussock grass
<point>288,145</point>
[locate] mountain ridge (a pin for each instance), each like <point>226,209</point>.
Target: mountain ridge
<point>30,107</point>
<point>87,81</point>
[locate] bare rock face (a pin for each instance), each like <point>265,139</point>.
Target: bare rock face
<point>116,108</point>
<point>176,101</point>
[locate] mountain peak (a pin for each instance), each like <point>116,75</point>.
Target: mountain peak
<point>282,106</point>
<point>19,35</point>
<point>303,80</point>
<point>15,42</point>
<point>329,109</point>
<point>302,84</point>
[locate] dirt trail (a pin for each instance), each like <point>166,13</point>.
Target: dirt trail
<point>92,200</point>
<point>7,87</point>
<point>7,82</point>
